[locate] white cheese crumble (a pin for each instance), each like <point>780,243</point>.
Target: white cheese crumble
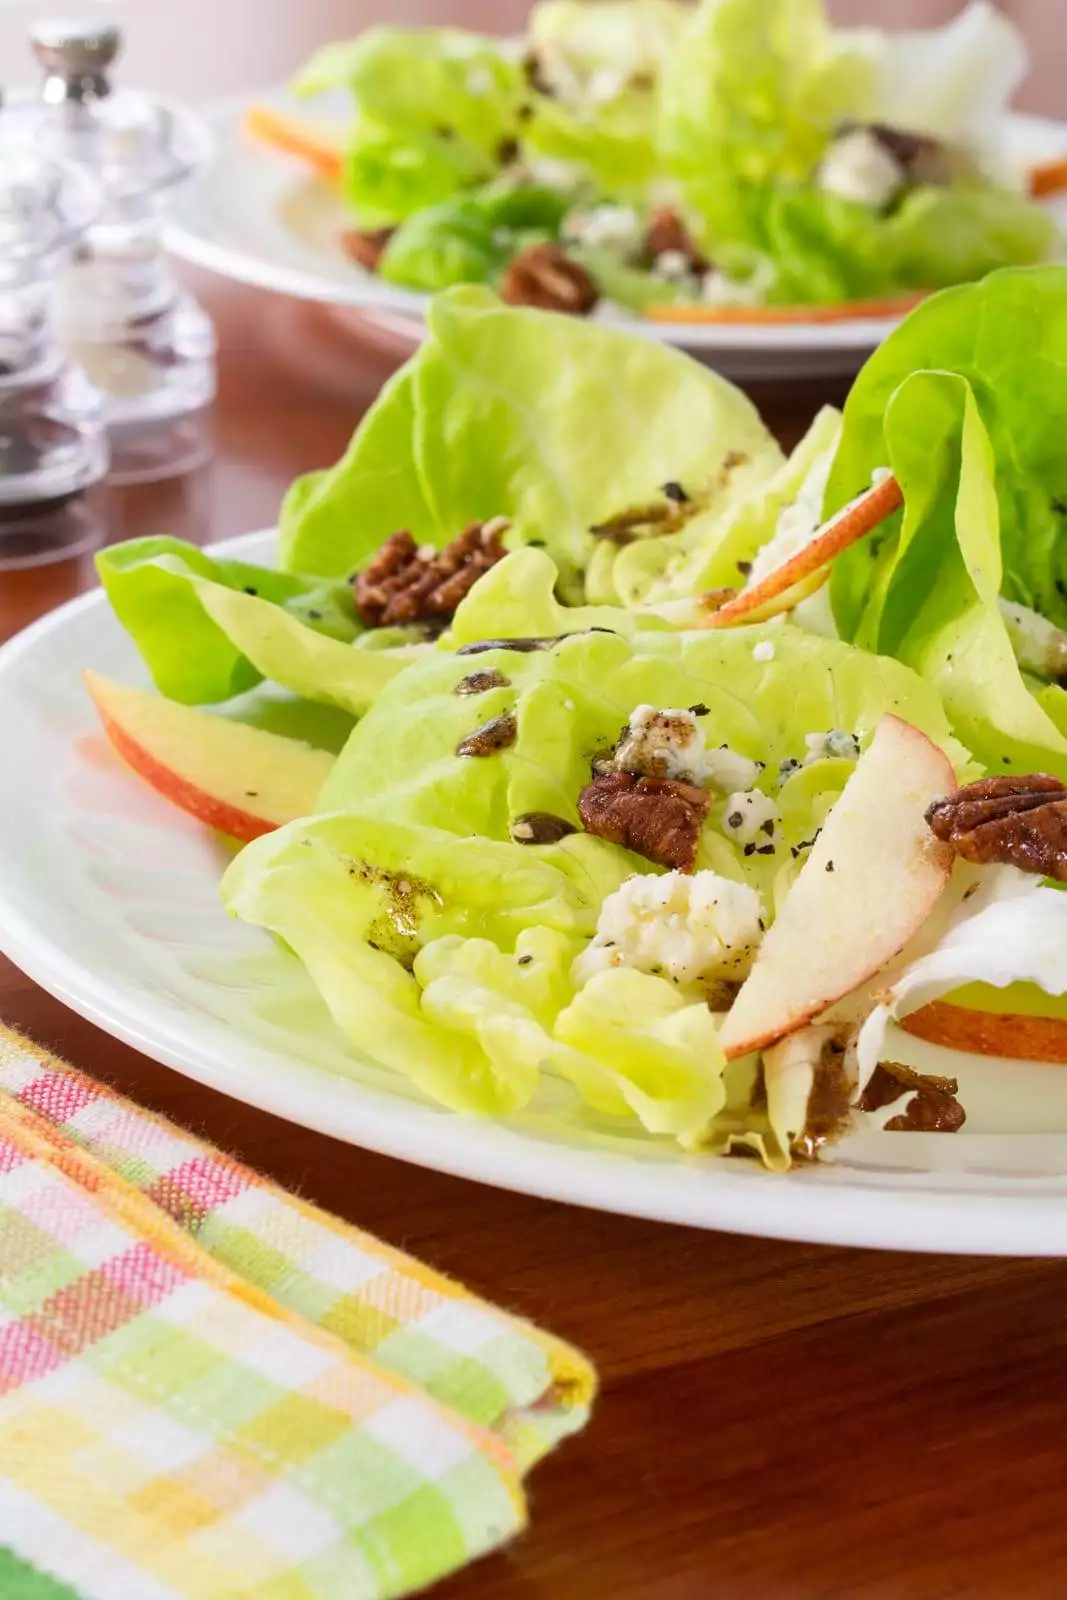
<point>764,651</point>
<point>672,265</point>
<point>690,928</point>
<point>669,744</point>
<point>750,817</point>
<point>553,172</point>
<point>834,742</point>
<point>858,167</point>
<point>716,289</point>
<point>606,83</point>
<point>606,227</point>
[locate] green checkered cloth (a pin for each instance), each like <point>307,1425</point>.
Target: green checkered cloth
<point>210,1389</point>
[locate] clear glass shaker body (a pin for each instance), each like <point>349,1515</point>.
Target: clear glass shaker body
<point>53,442</point>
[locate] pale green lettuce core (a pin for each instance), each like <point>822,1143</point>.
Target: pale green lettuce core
<point>976,444</point>
<point>554,423</point>
<point>449,947</point>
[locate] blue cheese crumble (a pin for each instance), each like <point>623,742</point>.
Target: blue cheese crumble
<point>669,744</point>
<point>691,928</point>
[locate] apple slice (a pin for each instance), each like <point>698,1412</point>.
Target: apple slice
<point>318,148</point>
<point>1016,1035</point>
<point>1049,178</point>
<point>871,880</point>
<point>773,316</point>
<point>238,779</point>
<point>773,593</point>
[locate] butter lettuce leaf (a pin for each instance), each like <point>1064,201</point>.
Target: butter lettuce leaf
<point>555,423</point>
<point>444,244</point>
<point>602,65</point>
<point>437,108</point>
<point>750,100</point>
<point>632,1044</point>
<point>1007,337</point>
<point>154,588</point>
<point>332,519</point>
<point>516,599</point>
<point>280,647</point>
<point>717,547</point>
<point>569,702</point>
<point>932,593</point>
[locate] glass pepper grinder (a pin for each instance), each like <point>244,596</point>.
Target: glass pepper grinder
<point>123,315</point>
<point>53,441</point>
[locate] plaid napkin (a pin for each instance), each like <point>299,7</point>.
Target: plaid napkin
<point>211,1390</point>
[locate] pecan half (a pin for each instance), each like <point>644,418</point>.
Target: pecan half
<point>923,158</point>
<point>543,276</point>
<point>933,1107</point>
<point>667,234</point>
<point>406,582</point>
<point>655,817</point>
<point>366,246</point>
<point>1018,820</point>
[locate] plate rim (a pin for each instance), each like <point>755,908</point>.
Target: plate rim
<point>370,295</point>
<point>697,1192</point>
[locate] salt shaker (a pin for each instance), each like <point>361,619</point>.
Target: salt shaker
<point>145,341</point>
<point>53,443</point>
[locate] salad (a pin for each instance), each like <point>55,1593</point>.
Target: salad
<point>663,770</point>
<point>679,161</point>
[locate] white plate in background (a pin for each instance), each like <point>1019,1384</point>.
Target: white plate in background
<point>257,216</point>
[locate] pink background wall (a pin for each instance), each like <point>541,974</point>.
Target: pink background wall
<point>205,48</point>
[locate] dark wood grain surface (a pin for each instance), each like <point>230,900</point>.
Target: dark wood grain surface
<point>776,1420</point>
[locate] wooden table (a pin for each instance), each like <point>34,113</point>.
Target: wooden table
<point>776,1420</point>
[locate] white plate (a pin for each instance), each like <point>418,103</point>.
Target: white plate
<point>257,216</point>
<point>109,900</point>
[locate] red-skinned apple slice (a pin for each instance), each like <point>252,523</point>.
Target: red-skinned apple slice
<point>240,780</point>
<point>872,877</point>
<point>803,571</point>
<point>989,1033</point>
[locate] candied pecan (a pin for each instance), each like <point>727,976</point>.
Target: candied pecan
<point>667,234</point>
<point>366,246</point>
<point>657,818</point>
<point>933,1108</point>
<point>1018,820</point>
<point>406,582</point>
<point>923,158</point>
<point>542,276</point>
